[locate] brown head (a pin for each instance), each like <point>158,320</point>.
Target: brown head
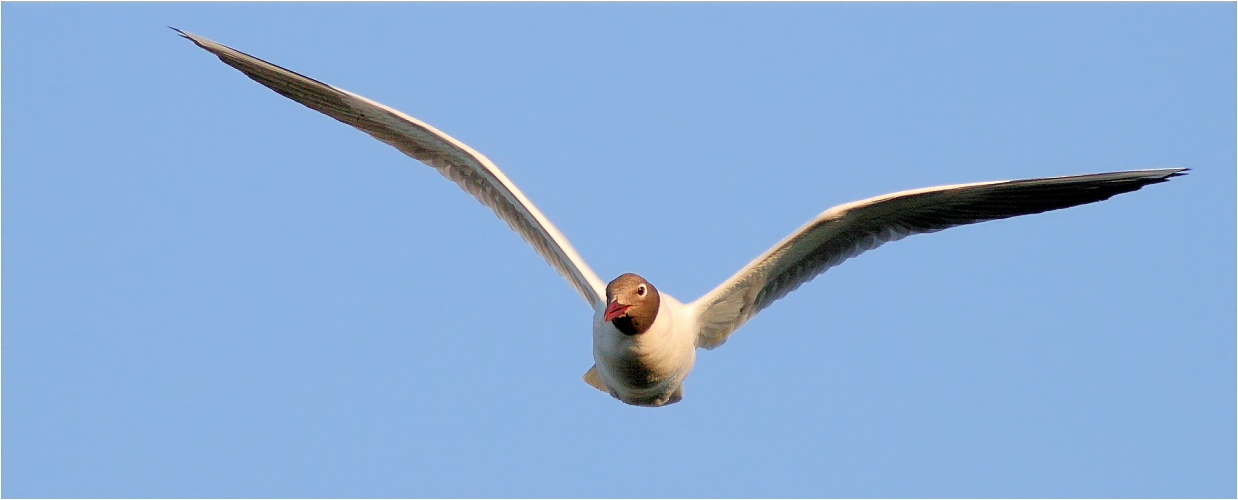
<point>631,304</point>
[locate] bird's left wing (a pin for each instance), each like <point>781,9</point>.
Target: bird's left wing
<point>848,230</point>
<point>456,161</point>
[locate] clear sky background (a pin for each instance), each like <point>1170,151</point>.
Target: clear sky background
<point>209,290</point>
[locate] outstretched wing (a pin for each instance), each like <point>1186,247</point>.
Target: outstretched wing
<point>450,157</point>
<point>848,230</point>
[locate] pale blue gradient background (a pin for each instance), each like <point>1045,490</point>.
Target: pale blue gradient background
<point>212,291</point>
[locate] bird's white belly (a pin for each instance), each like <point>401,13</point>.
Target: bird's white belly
<point>646,369</point>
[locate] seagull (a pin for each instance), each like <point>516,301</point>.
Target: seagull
<point>644,340</point>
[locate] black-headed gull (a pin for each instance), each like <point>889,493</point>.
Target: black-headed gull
<point>644,341</point>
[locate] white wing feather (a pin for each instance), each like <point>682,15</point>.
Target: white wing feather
<point>848,230</point>
<point>456,161</point>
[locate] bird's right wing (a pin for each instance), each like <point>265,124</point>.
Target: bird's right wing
<point>456,161</point>
<point>847,230</point>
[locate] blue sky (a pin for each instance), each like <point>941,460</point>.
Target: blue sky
<point>209,290</point>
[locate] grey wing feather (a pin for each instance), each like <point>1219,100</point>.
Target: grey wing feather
<point>848,230</point>
<point>456,161</point>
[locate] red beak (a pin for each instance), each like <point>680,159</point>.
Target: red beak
<point>614,310</point>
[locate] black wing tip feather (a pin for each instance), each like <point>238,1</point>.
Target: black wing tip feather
<point>1131,184</point>
<point>1178,172</point>
<point>253,68</point>
<point>1023,198</point>
<point>188,36</point>
<point>1156,176</point>
<point>1160,175</point>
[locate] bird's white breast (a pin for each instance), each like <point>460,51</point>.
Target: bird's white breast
<point>647,369</point>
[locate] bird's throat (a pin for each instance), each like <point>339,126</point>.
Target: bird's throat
<point>625,325</point>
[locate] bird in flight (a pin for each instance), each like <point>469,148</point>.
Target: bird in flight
<point>644,340</point>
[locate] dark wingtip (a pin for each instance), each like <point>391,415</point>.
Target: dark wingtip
<point>191,37</point>
<point>1177,172</point>
<point>1159,175</point>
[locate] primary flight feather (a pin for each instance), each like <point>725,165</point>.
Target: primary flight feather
<point>644,341</point>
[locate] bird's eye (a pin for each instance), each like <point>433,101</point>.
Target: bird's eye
<point>640,290</point>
